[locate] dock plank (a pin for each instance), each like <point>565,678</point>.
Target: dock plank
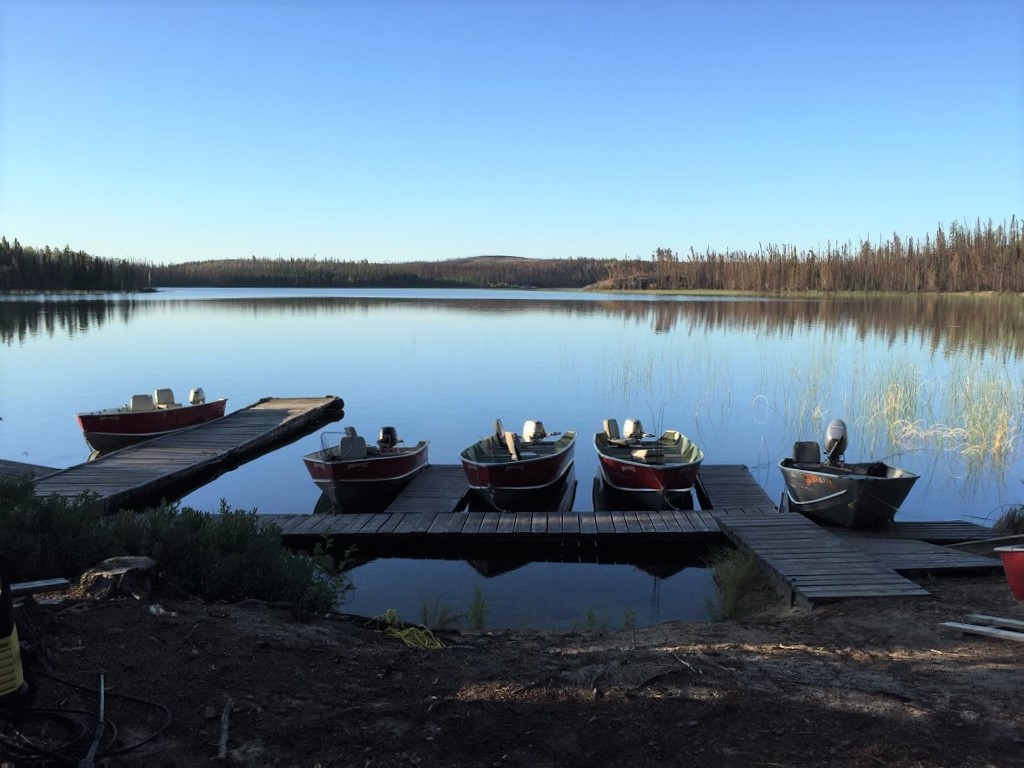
<point>814,564</point>
<point>438,488</point>
<point>732,485</point>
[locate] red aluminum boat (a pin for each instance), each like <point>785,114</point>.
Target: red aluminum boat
<point>145,417</point>
<point>659,472</point>
<point>513,473</point>
<point>361,478</point>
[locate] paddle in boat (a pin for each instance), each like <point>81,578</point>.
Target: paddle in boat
<point>356,477</point>
<point>513,473</point>
<point>657,472</point>
<point>145,417</point>
<point>834,492</point>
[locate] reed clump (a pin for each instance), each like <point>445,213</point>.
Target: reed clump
<point>983,410</point>
<point>1011,521</point>
<point>744,588</point>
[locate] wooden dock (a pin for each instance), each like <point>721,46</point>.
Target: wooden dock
<point>20,469</point>
<point>172,466</point>
<point>429,518</point>
<point>814,563</point>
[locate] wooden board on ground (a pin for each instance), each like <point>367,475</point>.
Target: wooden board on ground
<point>987,631</point>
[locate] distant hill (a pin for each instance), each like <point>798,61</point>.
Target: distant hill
<point>488,271</point>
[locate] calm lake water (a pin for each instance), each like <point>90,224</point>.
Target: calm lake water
<point>928,383</point>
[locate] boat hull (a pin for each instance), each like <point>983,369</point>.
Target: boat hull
<point>609,499</point>
<point>849,496</point>
<point>365,484</point>
<point>661,479</point>
<point>557,495</point>
<point>110,430</point>
<point>518,484</point>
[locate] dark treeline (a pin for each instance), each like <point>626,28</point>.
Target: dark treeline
<point>24,268</point>
<point>476,272</point>
<point>959,258</point>
<point>985,257</point>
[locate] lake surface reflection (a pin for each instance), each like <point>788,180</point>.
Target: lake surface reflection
<point>745,378</point>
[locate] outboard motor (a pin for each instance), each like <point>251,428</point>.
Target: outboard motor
<point>534,430</point>
<point>632,429</point>
<point>387,438</point>
<point>196,396</point>
<point>835,441</point>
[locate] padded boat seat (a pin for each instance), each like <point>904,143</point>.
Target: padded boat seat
<point>165,399</point>
<point>141,403</point>
<point>806,452</point>
<point>352,447</point>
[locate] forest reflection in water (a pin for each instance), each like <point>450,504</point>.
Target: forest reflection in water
<point>992,324</point>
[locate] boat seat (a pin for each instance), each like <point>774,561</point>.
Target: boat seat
<point>611,433</point>
<point>164,398</point>
<point>515,448</point>
<point>806,452</point>
<point>653,455</point>
<point>352,447</point>
<point>141,403</point>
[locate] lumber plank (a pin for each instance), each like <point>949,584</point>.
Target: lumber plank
<point>975,629</point>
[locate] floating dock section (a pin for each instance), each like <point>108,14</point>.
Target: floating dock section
<point>172,466</point>
<point>814,563</point>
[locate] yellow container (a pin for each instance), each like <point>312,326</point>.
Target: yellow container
<point>12,676</point>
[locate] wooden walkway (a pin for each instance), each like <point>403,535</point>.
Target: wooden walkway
<point>19,469</point>
<point>438,488</point>
<point>169,467</point>
<point>815,564</point>
<point>730,486</point>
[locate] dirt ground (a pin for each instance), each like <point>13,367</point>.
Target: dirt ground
<point>858,683</point>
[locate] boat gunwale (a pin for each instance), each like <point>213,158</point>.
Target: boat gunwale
<point>566,442</point>
<point>605,450</point>
<point>125,410</point>
<point>836,471</point>
<point>401,453</point>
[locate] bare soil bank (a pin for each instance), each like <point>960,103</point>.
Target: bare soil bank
<point>859,683</point>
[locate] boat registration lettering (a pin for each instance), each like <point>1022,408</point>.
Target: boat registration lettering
<point>828,482</point>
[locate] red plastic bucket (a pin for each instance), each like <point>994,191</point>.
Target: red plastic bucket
<point>1013,565</point>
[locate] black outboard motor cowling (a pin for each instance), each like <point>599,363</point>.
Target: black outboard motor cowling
<point>387,438</point>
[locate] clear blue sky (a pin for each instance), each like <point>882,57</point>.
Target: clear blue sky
<point>391,131</point>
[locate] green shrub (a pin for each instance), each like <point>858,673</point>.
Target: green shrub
<point>49,537</point>
<point>226,556</point>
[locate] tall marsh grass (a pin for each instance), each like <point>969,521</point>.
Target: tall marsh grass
<point>970,410</point>
<point>975,411</point>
